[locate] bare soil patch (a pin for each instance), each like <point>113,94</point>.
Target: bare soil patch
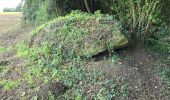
<point>136,67</point>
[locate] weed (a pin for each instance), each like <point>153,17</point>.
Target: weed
<point>54,59</point>
<point>163,69</point>
<point>159,46</point>
<point>165,73</point>
<point>22,49</point>
<point>109,90</point>
<point>8,84</point>
<point>2,50</point>
<point>114,57</point>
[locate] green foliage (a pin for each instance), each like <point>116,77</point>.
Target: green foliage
<point>2,49</point>
<point>159,41</point>
<point>30,10</point>
<point>140,20</point>
<point>165,73</point>
<point>39,12</point>
<point>8,85</point>
<point>114,57</point>
<point>109,90</point>
<point>143,21</point>
<point>42,11</point>
<point>79,79</point>
<point>40,70</point>
<point>138,17</point>
<point>163,70</point>
<point>165,10</point>
<point>69,33</point>
<point>159,46</point>
<point>22,49</point>
<point>46,11</point>
<point>48,61</point>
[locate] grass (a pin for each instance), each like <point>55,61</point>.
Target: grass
<point>8,84</point>
<point>2,49</point>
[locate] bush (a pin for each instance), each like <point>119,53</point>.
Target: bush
<point>41,11</point>
<point>140,19</point>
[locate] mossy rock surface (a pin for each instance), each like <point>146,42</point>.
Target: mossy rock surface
<point>80,34</point>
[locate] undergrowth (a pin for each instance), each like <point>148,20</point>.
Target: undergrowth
<point>44,69</point>
<point>163,70</point>
<point>159,46</point>
<point>9,84</point>
<point>165,73</point>
<point>46,64</point>
<point>2,49</point>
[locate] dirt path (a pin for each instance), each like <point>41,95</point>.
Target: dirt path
<point>144,83</point>
<point>136,68</point>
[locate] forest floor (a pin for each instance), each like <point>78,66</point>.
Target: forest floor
<point>139,68</point>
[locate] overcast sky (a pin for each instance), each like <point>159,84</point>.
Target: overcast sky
<point>8,3</point>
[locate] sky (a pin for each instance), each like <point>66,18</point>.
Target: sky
<point>8,3</point>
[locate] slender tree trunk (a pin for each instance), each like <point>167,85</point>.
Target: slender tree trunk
<point>87,6</point>
<point>134,22</point>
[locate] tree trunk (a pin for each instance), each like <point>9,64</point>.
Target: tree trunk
<point>87,6</point>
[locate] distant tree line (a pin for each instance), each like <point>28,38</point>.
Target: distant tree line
<point>9,9</point>
<point>17,9</point>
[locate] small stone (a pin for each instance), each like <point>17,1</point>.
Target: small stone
<point>155,87</point>
<point>23,94</point>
